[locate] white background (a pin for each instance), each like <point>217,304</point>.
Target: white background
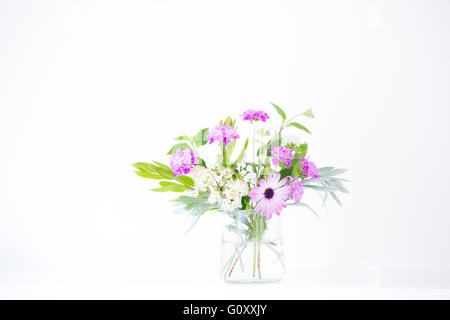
<point>89,87</point>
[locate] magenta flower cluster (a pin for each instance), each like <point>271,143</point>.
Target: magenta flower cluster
<point>309,169</point>
<point>182,161</point>
<point>224,134</point>
<point>296,190</point>
<point>255,115</point>
<point>281,154</point>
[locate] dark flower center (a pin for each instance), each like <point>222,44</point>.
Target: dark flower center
<point>268,194</point>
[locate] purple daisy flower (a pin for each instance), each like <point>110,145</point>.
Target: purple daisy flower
<point>182,161</point>
<point>255,115</point>
<point>309,169</point>
<point>223,134</point>
<point>281,154</point>
<point>271,194</point>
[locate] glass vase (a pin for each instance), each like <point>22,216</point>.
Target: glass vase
<point>252,247</point>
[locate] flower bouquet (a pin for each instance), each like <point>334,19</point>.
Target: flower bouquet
<point>249,191</point>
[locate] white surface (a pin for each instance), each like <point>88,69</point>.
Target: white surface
<point>89,87</point>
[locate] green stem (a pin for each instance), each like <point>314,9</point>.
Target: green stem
<point>254,258</point>
<point>224,156</point>
<point>254,155</point>
<point>259,260</point>
<point>229,263</point>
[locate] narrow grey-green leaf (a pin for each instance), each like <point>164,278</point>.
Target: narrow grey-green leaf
<point>319,188</point>
<point>334,196</point>
<point>309,208</point>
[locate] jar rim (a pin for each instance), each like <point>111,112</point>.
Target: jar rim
<point>238,212</point>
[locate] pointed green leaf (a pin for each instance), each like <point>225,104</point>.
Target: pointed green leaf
<point>242,153</point>
<point>169,183</point>
<point>145,167</point>
<point>188,181</point>
<point>149,175</point>
<point>168,174</point>
<point>280,111</point>
<point>308,113</point>
<point>299,126</point>
<point>161,165</point>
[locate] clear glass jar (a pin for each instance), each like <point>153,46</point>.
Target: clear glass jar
<point>252,247</point>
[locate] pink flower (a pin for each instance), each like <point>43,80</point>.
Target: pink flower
<point>281,154</point>
<point>223,134</point>
<point>296,190</point>
<point>182,161</point>
<point>309,169</point>
<point>255,115</point>
<point>271,195</point>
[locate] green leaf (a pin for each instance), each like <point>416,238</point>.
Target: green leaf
<point>168,174</point>
<point>285,172</point>
<point>188,181</point>
<point>280,111</point>
<point>146,167</point>
<point>308,113</point>
<point>149,175</point>
<point>242,153</point>
<point>229,122</point>
<point>161,165</point>
<point>169,183</point>
<point>182,146</point>
<point>185,138</point>
<point>200,138</point>
<point>201,162</point>
<point>303,150</point>
<point>299,126</point>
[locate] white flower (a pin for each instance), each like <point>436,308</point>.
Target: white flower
<point>201,177</point>
<point>231,195</point>
<point>250,178</point>
<point>291,138</point>
<point>214,197</point>
<point>228,205</point>
<point>238,186</point>
<point>226,173</point>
